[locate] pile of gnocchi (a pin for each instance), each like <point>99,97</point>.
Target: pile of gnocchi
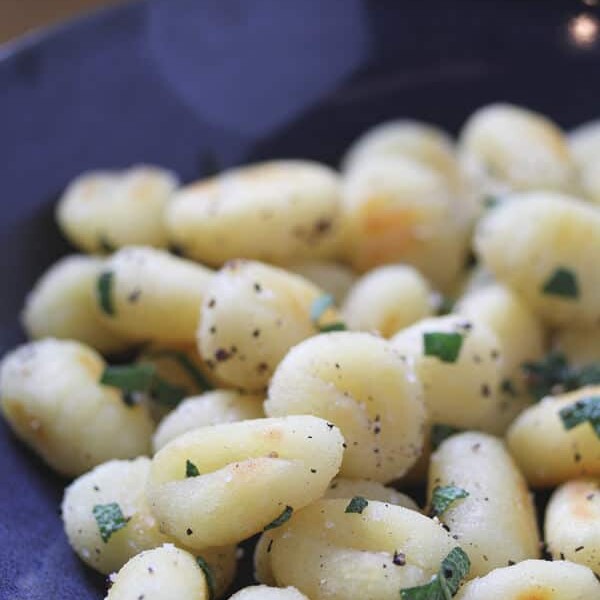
<point>282,350</point>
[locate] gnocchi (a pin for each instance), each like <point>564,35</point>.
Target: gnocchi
<point>222,499</point>
<point>546,449</point>
<point>476,490</point>
<point>62,305</point>
<point>572,523</point>
<point>263,592</point>
<point>147,294</point>
<point>252,315</point>
<point>105,210</point>
<point>388,299</point>
<point>277,212</point>
<point>358,382</point>
<point>550,263</point>
<point>118,488</point>
<point>52,398</point>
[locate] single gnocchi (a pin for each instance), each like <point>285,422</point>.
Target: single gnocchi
<point>147,294</point>
<point>458,362</point>
<point>388,299</point>
<point>51,396</point>
<point>477,491</point>
<point>508,148</point>
<point>211,408</point>
<point>542,245</point>
<point>102,211</point>
<point>107,521</point>
<point>401,211</point>
<point>62,304</point>
<point>276,212</point>
<point>349,549</point>
<point>558,439</point>
<point>220,484</point>
<point>252,315</point>
<point>533,580</point>
<point>572,523</point>
<point>163,573</point>
<point>357,381</point>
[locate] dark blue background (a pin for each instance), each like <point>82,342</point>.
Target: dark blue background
<point>165,81</point>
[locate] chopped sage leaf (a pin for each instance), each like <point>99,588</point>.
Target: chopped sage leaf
<point>166,393</point>
<point>186,363</point>
<point>137,377</point>
<point>191,470</point>
<point>211,583</point>
<point>445,346</point>
<point>552,375</point>
<point>109,519</point>
<point>445,583</point>
<point>104,287</point>
<point>444,496</point>
<point>563,282</point>
<point>582,411</point>
<point>440,432</point>
<point>281,519</point>
<point>337,326</point>
<point>356,505</point>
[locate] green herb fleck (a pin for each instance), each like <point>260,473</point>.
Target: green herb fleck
<point>445,583</point>
<point>356,505</point>
<point>553,375</point>
<point>445,346</point>
<point>166,393</point>
<point>191,470</point>
<point>563,282</point>
<point>337,326</point>
<point>584,410</point>
<point>444,496</point>
<point>440,432</point>
<point>109,519</point>
<point>129,378</point>
<point>210,578</point>
<point>281,519</point>
<point>104,286</point>
<point>186,363</point>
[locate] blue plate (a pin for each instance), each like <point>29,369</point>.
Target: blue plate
<point>169,81</point>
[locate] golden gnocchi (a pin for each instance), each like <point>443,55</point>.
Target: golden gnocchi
<point>207,486</point>
<point>277,212</point>
<point>51,396</point>
<point>357,381</point>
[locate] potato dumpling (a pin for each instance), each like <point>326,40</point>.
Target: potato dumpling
<point>350,550</point>
<point>521,337</point>
<point>333,278</point>
<point>506,147</point>
<point>263,592</point>
<point>62,304</point>
<point>118,488</point>
<point>147,294</point>
<point>220,484</point>
<point>51,397</point>
<point>458,361</point>
<point>581,346</point>
<point>163,573</point>
<point>371,490</point>
<point>572,524</point>
<point>388,299</point>
<point>211,408</point>
<point>534,580</point>
<point>251,316</point>
<point>546,451</point>
<point>278,212</point>
<point>418,141</point>
<point>401,211</point>
<point>495,521</point>
<point>543,246</point>
<point>101,211</point>
<point>360,383</point>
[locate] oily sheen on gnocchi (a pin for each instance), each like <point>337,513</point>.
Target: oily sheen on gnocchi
<point>288,381</point>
